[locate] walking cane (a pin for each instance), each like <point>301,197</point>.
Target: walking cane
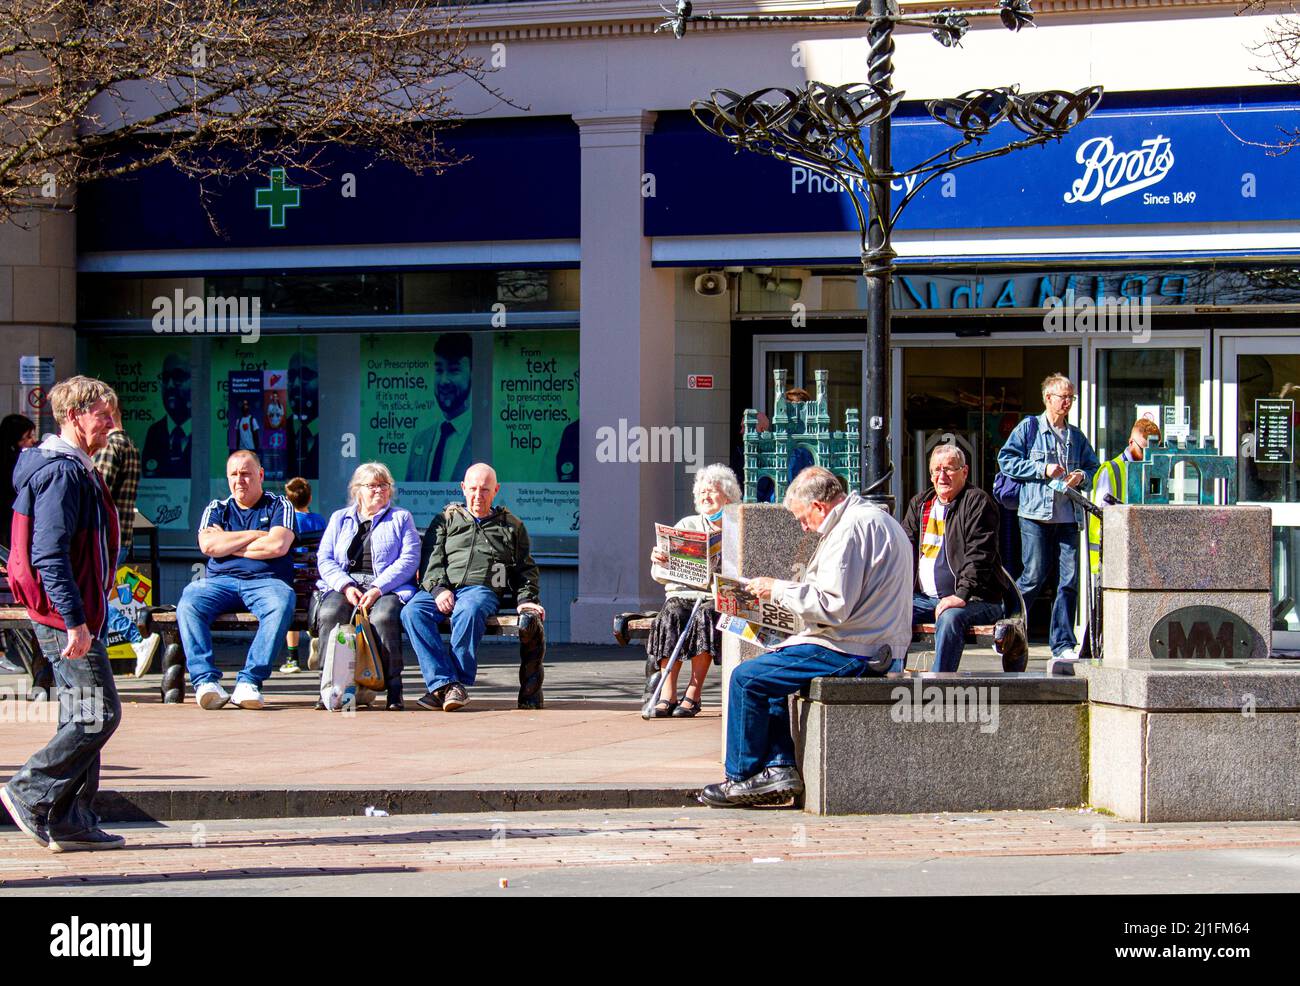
<point>656,685</point>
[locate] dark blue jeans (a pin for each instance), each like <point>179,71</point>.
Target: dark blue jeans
<point>950,631</point>
<point>1041,546</point>
<point>421,616</point>
<point>59,783</point>
<point>758,715</point>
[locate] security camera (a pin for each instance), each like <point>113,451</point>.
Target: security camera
<point>711,285</point>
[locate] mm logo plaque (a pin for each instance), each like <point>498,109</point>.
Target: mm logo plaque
<point>1205,633</point>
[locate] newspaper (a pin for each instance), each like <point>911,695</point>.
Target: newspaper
<point>756,635</point>
<point>693,556</point>
<point>731,598</point>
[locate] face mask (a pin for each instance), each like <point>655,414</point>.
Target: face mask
<point>714,518</point>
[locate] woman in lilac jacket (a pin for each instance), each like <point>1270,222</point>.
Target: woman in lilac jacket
<point>368,557</point>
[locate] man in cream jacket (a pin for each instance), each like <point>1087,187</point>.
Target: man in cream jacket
<point>855,600</point>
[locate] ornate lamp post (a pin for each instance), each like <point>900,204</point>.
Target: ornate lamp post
<point>820,128</point>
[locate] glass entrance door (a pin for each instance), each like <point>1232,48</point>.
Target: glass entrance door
<point>970,395</point>
<point>1261,395</point>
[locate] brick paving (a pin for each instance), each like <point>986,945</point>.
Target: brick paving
<point>233,850</point>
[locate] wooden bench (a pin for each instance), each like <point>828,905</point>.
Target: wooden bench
<point>162,620</point>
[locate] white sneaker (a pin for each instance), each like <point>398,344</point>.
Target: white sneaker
<point>144,652</point>
<point>1069,654</point>
<point>247,696</point>
<point>210,696</point>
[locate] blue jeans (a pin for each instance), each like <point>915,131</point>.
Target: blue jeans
<point>950,630</point>
<point>269,599</point>
<point>59,783</point>
<point>118,621</point>
<point>1041,544</point>
<point>420,618</point>
<point>758,715</point>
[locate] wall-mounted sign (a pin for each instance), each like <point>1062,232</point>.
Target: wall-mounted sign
<point>699,381</point>
<point>1133,165</point>
<point>922,291</point>
<point>1275,431</point>
<point>1205,633</point>
<point>36,371</point>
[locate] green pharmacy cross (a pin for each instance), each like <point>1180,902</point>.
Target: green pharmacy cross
<point>277,198</point>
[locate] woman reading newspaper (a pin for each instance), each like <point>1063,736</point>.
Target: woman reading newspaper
<point>683,568</point>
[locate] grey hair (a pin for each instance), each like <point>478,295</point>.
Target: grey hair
<point>721,478</point>
<point>366,473</point>
<point>949,449</point>
<point>815,484</point>
<point>1052,380</point>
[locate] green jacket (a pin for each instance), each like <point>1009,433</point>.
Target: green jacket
<point>494,552</point>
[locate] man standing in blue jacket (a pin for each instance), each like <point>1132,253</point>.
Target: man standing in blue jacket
<point>1039,451</point>
<point>61,568</point>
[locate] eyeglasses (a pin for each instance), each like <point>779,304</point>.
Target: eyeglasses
<point>946,470</point>
<point>1063,398</point>
<point>377,487</point>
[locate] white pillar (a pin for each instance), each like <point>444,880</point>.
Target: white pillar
<point>627,374</point>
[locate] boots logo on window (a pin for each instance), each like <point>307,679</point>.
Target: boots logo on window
<point>1112,174</point>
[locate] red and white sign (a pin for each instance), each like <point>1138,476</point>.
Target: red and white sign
<point>699,381</point>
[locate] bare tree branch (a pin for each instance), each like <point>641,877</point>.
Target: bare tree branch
<point>95,89</point>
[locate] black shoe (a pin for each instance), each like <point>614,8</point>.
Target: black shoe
<point>454,697</point>
<point>682,712</point>
<point>431,701</point>
<point>395,705</point>
<point>664,709</point>
<point>771,786</point>
<point>88,841</point>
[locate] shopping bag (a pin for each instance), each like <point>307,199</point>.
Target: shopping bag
<point>369,663</point>
<point>339,667</point>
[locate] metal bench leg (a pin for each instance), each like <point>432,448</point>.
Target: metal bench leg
<point>532,651</point>
<point>173,670</point>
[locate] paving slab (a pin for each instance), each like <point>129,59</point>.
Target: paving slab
<point>588,748</point>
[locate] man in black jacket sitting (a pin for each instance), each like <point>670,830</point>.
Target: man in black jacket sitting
<point>953,528</point>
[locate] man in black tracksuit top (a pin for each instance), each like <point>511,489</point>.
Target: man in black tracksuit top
<point>953,528</point>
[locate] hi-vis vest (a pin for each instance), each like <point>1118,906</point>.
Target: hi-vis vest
<point>1118,470</point>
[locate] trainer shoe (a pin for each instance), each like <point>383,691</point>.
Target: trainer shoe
<point>454,697</point>
<point>88,841</point>
<point>770,786</point>
<point>247,696</point>
<point>210,696</point>
<point>431,700</point>
<point>144,651</point>
<point>28,823</point>
<point>290,666</point>
<point>313,655</point>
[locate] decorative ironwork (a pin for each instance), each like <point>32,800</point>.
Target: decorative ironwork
<point>821,128</point>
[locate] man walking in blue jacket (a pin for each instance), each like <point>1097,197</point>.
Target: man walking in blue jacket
<point>61,568</point>
<point>1039,451</point>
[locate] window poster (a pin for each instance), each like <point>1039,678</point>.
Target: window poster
<point>154,392</point>
<point>535,428</point>
<point>417,414</point>
<point>266,398</point>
